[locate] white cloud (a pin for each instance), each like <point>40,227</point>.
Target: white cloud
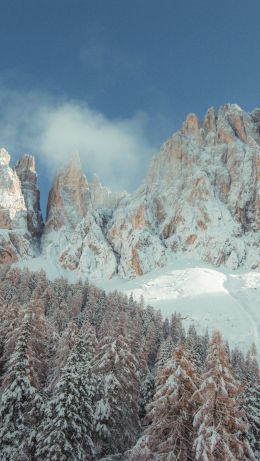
<point>117,150</point>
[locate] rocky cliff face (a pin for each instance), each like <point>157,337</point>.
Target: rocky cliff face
<point>202,191</point>
<point>20,216</point>
<point>77,215</point>
<point>69,197</point>
<point>27,174</point>
<point>201,197</point>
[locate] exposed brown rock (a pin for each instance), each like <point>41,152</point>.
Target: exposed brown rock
<point>69,197</point>
<point>191,239</point>
<point>160,212</point>
<point>138,218</point>
<point>7,254</point>
<point>170,228</point>
<point>225,137</point>
<point>201,225</point>
<point>135,262</point>
<point>237,123</point>
<point>210,120</point>
<point>27,174</point>
<point>5,219</point>
<point>191,126</point>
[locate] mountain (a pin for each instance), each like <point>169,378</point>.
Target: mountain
<point>21,221</point>
<point>201,197</point>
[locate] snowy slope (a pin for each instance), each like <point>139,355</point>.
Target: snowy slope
<point>209,297</point>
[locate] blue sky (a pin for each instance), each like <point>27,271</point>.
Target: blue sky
<point>132,68</point>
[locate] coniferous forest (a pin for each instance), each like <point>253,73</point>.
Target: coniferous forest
<point>87,376</point>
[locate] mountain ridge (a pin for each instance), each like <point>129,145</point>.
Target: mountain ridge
<point>201,196</point>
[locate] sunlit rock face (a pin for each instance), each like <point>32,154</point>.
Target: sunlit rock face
<point>27,174</point>
<point>202,191</point>
<point>69,197</point>
<point>12,205</point>
<point>201,197</point>
<point>18,226</point>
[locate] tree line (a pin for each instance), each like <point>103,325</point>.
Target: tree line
<point>87,376</point>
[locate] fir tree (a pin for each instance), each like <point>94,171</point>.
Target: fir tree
<point>252,401</point>
<point>219,421</point>
<point>117,420</point>
<point>146,392</point>
<point>20,401</point>
<point>176,329</point>
<point>169,433</point>
<point>65,433</point>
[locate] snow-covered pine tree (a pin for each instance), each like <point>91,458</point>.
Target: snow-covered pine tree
<point>116,416</point>
<point>90,339</point>
<point>152,329</point>
<point>20,401</point>
<point>166,328</point>
<point>9,319</point>
<point>39,342</point>
<point>146,392</point>
<point>252,400</point>
<point>134,324</point>
<point>176,328</point>
<point>219,421</point>
<point>169,435</point>
<point>164,353</point>
<point>203,347</point>
<point>252,368</point>
<point>197,345</point>
<point>66,342</point>
<point>238,364</point>
<point>66,430</point>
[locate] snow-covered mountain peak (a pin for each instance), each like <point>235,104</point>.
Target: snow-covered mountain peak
<point>26,171</point>
<point>4,157</point>
<point>201,196</point>
<point>69,197</point>
<point>26,163</point>
<point>20,215</point>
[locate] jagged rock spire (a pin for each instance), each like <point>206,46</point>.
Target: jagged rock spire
<point>69,197</point>
<point>27,174</point>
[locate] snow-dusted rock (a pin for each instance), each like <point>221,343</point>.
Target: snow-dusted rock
<point>16,235</point>
<point>27,174</point>
<point>88,250</point>
<point>77,216</point>
<point>69,197</point>
<point>12,204</point>
<point>201,196</point>
<point>103,197</point>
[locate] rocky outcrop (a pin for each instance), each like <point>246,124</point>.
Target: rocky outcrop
<point>69,197</point>
<point>206,180</point>
<point>201,197</point>
<point>103,197</point>
<point>77,215</point>
<point>12,204</point>
<point>20,214</point>
<point>27,174</point>
<point>88,251</point>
